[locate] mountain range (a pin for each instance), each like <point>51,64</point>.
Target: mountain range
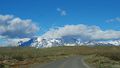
<point>39,42</point>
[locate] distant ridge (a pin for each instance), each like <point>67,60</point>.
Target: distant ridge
<point>39,42</point>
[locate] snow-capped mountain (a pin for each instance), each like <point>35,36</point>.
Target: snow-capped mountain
<point>41,43</point>
<point>52,42</point>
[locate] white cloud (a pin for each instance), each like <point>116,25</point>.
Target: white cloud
<point>82,31</point>
<point>15,27</point>
<point>15,42</point>
<point>58,9</point>
<point>62,12</point>
<point>117,19</point>
<point>11,42</point>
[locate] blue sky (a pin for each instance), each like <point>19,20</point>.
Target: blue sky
<point>91,12</point>
<point>46,15</point>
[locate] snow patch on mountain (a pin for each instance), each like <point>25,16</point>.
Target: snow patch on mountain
<point>40,42</point>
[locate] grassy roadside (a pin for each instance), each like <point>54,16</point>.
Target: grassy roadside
<point>14,57</point>
<point>99,57</point>
<point>102,62</point>
<point>105,57</point>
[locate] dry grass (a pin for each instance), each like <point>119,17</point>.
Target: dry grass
<point>100,57</point>
<point>105,57</point>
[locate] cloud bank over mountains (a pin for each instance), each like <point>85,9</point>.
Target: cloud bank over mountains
<point>84,32</point>
<point>15,27</point>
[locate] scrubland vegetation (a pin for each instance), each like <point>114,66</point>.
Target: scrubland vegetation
<point>97,57</point>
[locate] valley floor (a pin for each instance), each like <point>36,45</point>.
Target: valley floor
<point>97,57</point>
